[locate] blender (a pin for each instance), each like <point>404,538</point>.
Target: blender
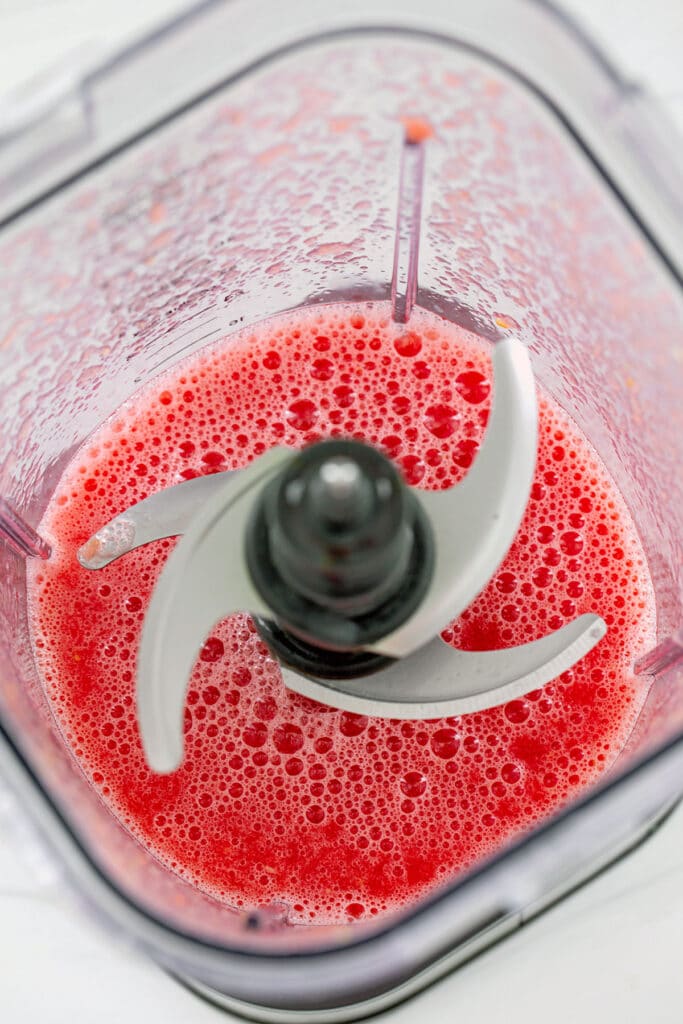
<point>436,169</point>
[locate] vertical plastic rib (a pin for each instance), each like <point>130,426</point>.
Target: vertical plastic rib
<point>663,657</point>
<point>408,220</point>
<point>21,537</point>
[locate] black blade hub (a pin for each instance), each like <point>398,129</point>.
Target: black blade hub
<point>342,553</point>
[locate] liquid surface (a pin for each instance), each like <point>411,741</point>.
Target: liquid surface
<point>337,816</point>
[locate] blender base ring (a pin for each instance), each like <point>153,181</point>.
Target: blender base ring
<point>318,662</point>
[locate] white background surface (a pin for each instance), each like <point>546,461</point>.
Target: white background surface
<point>611,953</point>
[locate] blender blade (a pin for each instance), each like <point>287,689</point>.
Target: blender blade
<point>475,522</point>
<point>206,578</point>
<point>167,513</point>
<point>438,680</point>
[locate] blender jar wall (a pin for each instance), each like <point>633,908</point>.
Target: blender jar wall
<point>181,241</point>
<point>283,190</point>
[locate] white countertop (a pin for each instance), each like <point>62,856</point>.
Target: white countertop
<point>610,953</point>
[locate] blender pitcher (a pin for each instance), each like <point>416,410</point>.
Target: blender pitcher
<point>508,182</point>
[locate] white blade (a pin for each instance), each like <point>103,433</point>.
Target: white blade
<point>475,522</point>
<point>438,680</point>
<point>167,513</point>
<point>205,579</point>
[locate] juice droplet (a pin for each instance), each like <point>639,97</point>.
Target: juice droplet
<point>517,711</point>
<point>212,650</point>
<point>473,386</point>
<point>506,582</point>
<point>413,469</point>
<point>465,452</point>
<point>445,743</point>
<point>302,414</point>
<point>408,345</point>
<point>510,773</point>
<point>322,369</point>
<point>255,735</point>
<point>571,543</point>
<point>351,724</point>
<point>414,783</point>
<point>355,910</point>
<point>272,360</point>
<point>288,738</point>
<point>344,396</point>
<point>441,420</point>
